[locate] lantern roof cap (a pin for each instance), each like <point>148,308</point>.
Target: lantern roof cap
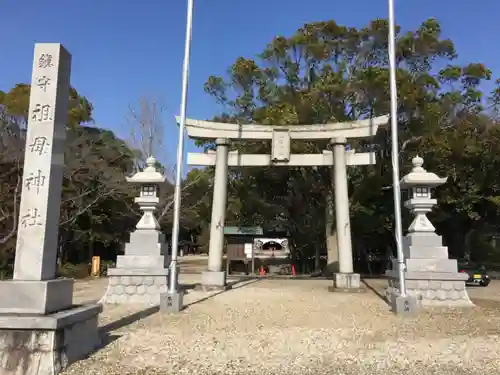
<point>420,177</point>
<point>149,174</point>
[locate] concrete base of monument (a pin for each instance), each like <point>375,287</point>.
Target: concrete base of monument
<point>433,289</point>
<point>172,302</point>
<point>213,281</point>
<point>347,283</point>
<point>35,297</point>
<point>46,344</point>
<point>407,305</point>
<point>135,286</point>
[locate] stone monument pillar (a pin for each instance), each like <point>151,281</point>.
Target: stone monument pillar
<point>344,280</point>
<point>430,276</point>
<point>140,276</point>
<point>215,276</point>
<point>41,331</point>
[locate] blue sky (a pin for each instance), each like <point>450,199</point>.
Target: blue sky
<point>123,50</point>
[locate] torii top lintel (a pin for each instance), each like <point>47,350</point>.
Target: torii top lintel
<point>199,129</point>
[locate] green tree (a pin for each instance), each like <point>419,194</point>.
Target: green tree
<point>327,72</point>
<point>94,198</point>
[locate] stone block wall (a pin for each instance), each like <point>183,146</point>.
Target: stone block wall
<point>46,352</point>
<point>135,289</point>
<point>450,293</point>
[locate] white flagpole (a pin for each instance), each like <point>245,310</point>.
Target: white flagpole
<point>395,150</point>
<point>173,285</point>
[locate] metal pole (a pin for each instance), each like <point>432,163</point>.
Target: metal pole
<point>180,151</point>
<point>395,150</point>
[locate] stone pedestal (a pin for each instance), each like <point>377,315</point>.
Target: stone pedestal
<point>46,344</point>
<point>140,275</point>
<point>430,276</point>
<point>35,297</point>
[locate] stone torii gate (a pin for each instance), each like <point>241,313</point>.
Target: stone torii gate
<point>280,137</point>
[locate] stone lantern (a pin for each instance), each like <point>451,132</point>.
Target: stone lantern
<point>149,180</point>
<point>430,276</point>
<point>419,183</point>
<point>141,273</point>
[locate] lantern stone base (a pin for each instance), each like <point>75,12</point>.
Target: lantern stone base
<point>136,286</point>
<point>430,275</point>
<point>145,243</point>
<point>47,344</point>
<point>432,289</point>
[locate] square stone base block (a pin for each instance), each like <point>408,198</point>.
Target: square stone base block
<point>213,280</point>
<point>408,305</point>
<point>347,283</point>
<point>35,297</point>
<point>45,345</point>
<point>136,286</point>
<point>171,302</point>
<point>432,289</point>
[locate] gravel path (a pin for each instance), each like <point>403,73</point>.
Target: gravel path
<point>294,327</point>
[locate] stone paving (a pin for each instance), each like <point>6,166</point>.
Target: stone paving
<point>293,327</point>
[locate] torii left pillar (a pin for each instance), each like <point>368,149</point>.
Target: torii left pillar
<point>345,280</point>
<point>215,277</point>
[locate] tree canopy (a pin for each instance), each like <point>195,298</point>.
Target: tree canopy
<point>323,73</point>
<point>326,72</point>
<point>94,199</point>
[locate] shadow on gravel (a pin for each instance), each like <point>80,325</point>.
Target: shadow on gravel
<point>235,284</point>
<point>186,287</point>
<point>378,293</point>
<point>127,320</point>
<point>107,337</point>
<point>486,303</point>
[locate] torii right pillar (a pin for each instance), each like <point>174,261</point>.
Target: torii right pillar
<point>345,280</point>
